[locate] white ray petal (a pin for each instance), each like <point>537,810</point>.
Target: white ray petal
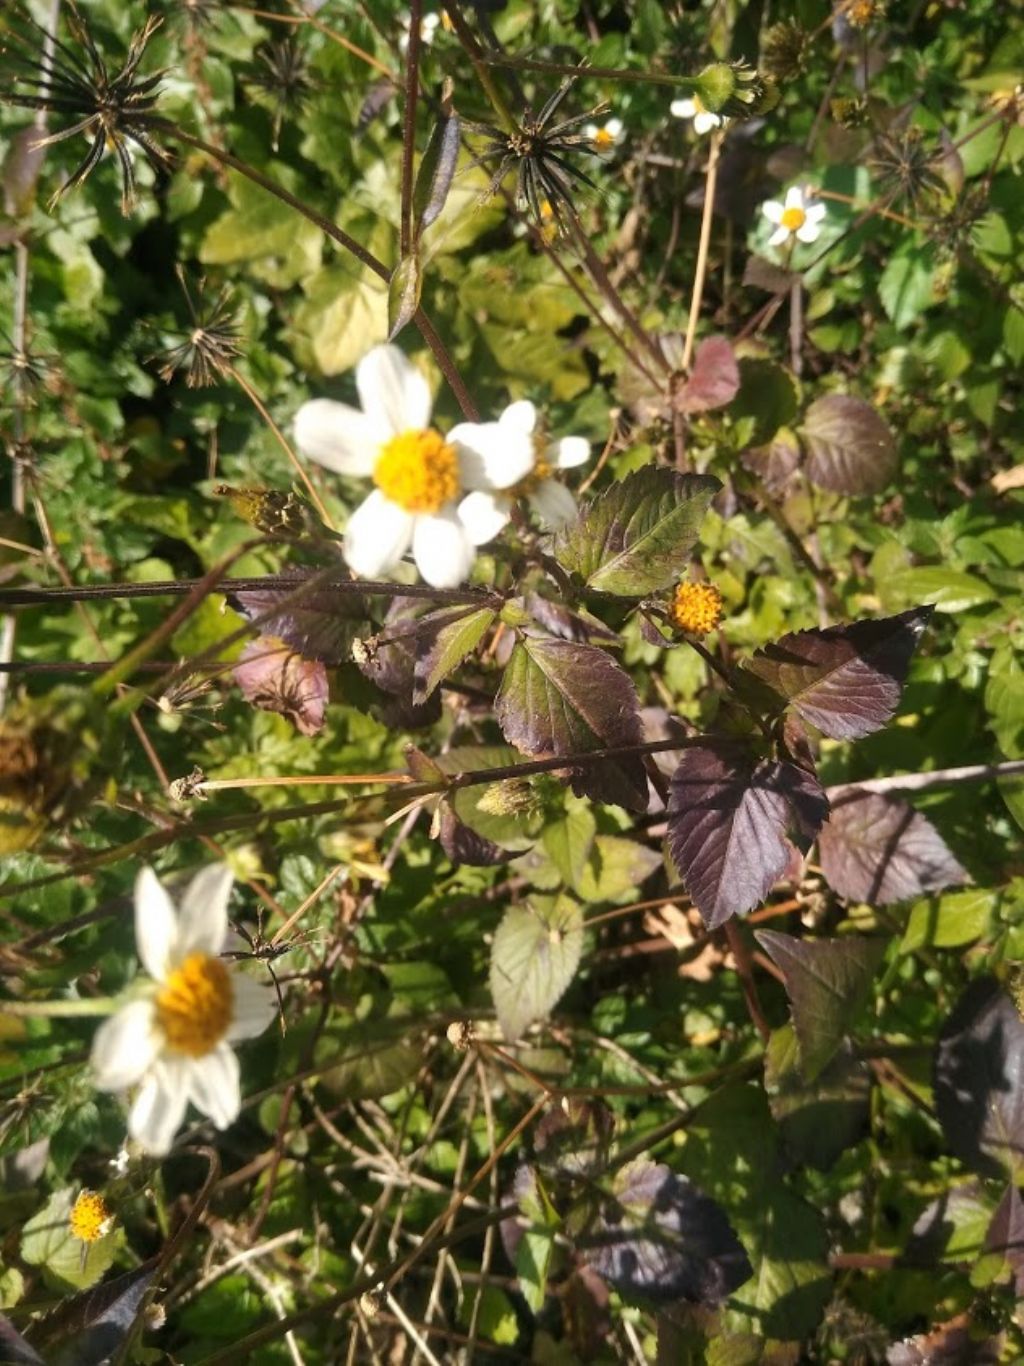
<point>553,503</point>
<point>125,1046</point>
<point>492,455</point>
<point>683,109</point>
<point>571,451</point>
<point>156,925</point>
<point>159,1108</point>
<point>442,549</point>
<point>772,210</point>
<point>394,394</point>
<point>213,1085</point>
<point>484,514</point>
<point>810,232</point>
<point>378,534</point>
<point>778,237</point>
<point>254,1007</point>
<point>203,914</point>
<point>339,437</point>
<point>520,416</point>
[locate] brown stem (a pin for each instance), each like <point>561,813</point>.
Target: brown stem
<point>412,77</point>
<point>744,970</point>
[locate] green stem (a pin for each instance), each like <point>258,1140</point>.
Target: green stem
<point>610,73</point>
<point>63,1009</point>
<point>481,62</point>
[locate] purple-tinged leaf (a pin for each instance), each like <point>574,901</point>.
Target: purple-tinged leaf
<point>274,678</point>
<point>714,380</point>
<point>636,537</point>
<point>817,1121</point>
<point>319,623</point>
<point>91,1326</point>
<point>979,1080</point>
<point>13,1347</point>
<point>389,661</point>
<point>437,169</point>
<point>949,1344</point>
<point>576,625</point>
<point>876,848</point>
<point>557,697</point>
<point>658,1238</point>
<point>849,448</point>
<point>463,845</point>
<point>1005,1237</point>
<point>442,641</point>
<point>845,680</point>
<point>729,815</point>
<point>775,462</point>
<point>575,1141</point>
<point>827,982</point>
<point>763,274</point>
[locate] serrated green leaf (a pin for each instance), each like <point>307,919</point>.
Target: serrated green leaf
<point>47,1241</point>
<point>568,841</point>
<point>945,922</point>
<point>445,638</point>
<point>534,957</point>
<point>636,537</point>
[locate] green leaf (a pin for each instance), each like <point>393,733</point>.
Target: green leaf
<point>767,400</point>
<point>568,842</point>
<point>404,290</point>
<point>47,1241</point>
<point>615,869</point>
<point>273,242</point>
<point>948,590</point>
<point>907,285</point>
<point>827,982</point>
<point>451,634</point>
<point>946,922</point>
<point>341,317</point>
<point>636,537</point>
<point>820,1120</point>
<point>559,697</point>
<point>534,957</point>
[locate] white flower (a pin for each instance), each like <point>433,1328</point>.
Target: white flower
<point>520,462</point>
<point>694,108</point>
<point>173,1041</point>
<point>797,215</point>
<point>419,474</point>
<point>607,137</point>
<point>428,27</point>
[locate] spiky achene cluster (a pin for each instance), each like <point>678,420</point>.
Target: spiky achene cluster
<point>113,108</point>
<point>211,343</point>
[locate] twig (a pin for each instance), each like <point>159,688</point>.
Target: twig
<point>701,270</point>
<point>924,782</point>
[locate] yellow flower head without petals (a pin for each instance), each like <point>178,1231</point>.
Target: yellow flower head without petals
<point>90,1219</point>
<point>696,608</point>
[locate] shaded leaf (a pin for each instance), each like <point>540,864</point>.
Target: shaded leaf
<point>320,624</point>
<point>1005,1236</point>
<point>463,845</point>
<point>821,1120</point>
<point>557,697</point>
<point>507,814</point>
<point>615,868</point>
<point>659,1238</point>
<point>530,1240</point>
<point>569,625</point>
<point>728,817</point>
<point>568,840</point>
<point>444,639</point>
<point>14,1350</point>
<point>767,400</point>
<point>845,680</point>
<point>534,957</point>
<point>92,1326</point>
<point>979,1080</point>
<point>635,537</point>
<point>849,448</point>
<point>274,678</point>
<point>878,849</point>
<point>389,661</point>
<point>713,381</point>
<point>827,982</point>
<point>574,1141</point>
<point>950,1344</point>
<point>436,170</point>
<point>775,462</point>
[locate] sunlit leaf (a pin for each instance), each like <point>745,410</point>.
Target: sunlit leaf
<point>729,815</point>
<point>318,623</point>
<point>443,640</point>
<point>845,680</point>
<point>877,848</point>
<point>47,1241</point>
<point>534,957</point>
<point>714,380</point>
<point>636,537</point>
<point>818,1121</point>
<point>404,290</point>
<point>437,169</point>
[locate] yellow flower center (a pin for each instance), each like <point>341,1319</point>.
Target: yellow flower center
<point>793,218</point>
<point>602,138</point>
<point>195,1005</point>
<point>418,470</point>
<point>90,1219</point>
<point>695,608</point>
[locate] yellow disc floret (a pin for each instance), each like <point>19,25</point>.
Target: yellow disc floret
<point>90,1219</point>
<point>793,218</point>
<point>195,1004</point>
<point>418,470</point>
<point>696,608</point>
<point>603,139</point>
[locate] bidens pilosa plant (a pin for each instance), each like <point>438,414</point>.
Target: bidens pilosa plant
<point>512,752</point>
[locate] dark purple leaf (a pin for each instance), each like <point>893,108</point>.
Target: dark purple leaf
<point>576,625</point>
<point>1005,1237</point>
<point>827,982</point>
<point>574,1141</point>
<point>714,380</point>
<point>849,448</point>
<point>775,462</point>
<point>766,275</point>
<point>659,1238</point>
<point>14,1350</point>
<point>389,661</point>
<point>979,1080</point>
<point>88,1329</point>
<point>463,845</point>
<point>817,1121</point>
<point>845,680</point>
<point>636,537</point>
<point>557,697</point>
<point>274,678</point>
<point>877,849</point>
<point>729,814</point>
<point>588,1322</point>
<point>319,623</point>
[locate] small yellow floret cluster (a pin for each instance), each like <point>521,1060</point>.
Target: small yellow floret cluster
<point>696,608</point>
<point>419,471</point>
<point>90,1219</point>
